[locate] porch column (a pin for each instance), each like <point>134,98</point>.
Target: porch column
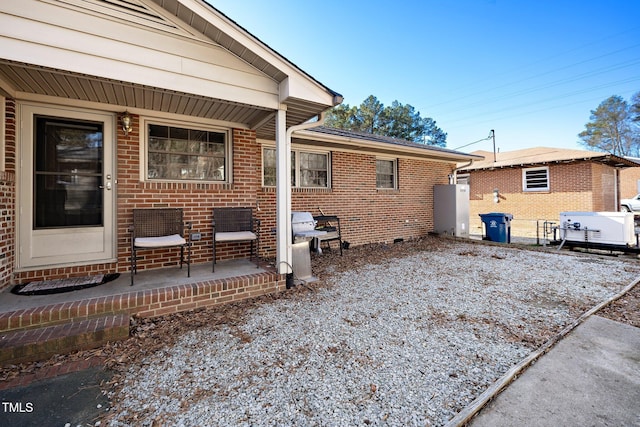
<point>283,195</point>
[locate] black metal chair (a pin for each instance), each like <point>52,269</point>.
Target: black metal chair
<point>159,228</point>
<point>236,225</point>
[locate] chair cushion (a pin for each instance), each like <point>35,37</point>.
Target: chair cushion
<point>235,236</point>
<point>159,242</point>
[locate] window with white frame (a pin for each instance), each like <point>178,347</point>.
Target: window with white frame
<point>3,119</point>
<point>535,179</point>
<point>386,174</point>
<point>463,179</point>
<point>269,162</point>
<point>309,169</point>
<point>186,154</point>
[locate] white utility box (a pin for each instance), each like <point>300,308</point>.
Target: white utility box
<point>607,228</point>
<point>451,209</point>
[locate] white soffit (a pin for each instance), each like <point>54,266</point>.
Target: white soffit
<point>177,56</point>
<point>62,35</point>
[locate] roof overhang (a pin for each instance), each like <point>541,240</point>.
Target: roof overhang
<point>606,159</point>
<point>362,143</point>
<point>163,56</point>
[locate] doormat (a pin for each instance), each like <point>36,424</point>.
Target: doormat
<point>56,286</point>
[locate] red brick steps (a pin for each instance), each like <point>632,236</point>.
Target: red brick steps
<point>36,333</point>
<point>40,343</point>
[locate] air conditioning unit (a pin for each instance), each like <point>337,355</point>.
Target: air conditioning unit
<point>607,228</point>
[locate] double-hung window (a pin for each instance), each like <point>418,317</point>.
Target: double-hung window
<point>386,174</point>
<point>2,131</point>
<point>186,154</point>
<point>308,169</point>
<point>535,179</point>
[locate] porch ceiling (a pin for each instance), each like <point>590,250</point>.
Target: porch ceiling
<point>19,79</point>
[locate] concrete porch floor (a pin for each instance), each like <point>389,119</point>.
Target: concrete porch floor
<point>144,280</point>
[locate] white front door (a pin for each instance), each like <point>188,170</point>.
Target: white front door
<point>66,187</point>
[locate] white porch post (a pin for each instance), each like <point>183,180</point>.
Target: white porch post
<point>283,195</point>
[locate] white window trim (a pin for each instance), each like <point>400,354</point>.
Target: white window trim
<point>463,177</point>
<point>144,139</point>
<point>297,150</point>
<point>395,173</point>
<point>534,190</point>
<point>3,134</point>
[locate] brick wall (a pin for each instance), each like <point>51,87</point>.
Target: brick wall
<point>604,188</point>
<point>366,214</point>
<point>7,198</point>
<point>196,199</point>
<point>579,186</point>
<point>629,179</point>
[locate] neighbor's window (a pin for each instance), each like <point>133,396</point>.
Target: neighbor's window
<point>463,179</point>
<point>177,153</point>
<point>535,179</point>
<point>308,169</point>
<point>386,174</point>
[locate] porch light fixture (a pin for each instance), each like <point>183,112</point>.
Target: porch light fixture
<point>125,119</point>
<point>496,195</point>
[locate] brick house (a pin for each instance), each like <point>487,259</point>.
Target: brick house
<point>536,184</point>
<point>630,180</point>
<point>218,118</point>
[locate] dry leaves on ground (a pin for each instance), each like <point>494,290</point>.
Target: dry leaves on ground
<point>149,335</point>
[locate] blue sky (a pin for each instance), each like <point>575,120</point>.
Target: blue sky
<point>530,70</point>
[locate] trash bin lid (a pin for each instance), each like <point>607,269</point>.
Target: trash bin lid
<point>497,215</point>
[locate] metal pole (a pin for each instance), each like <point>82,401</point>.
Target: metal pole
<point>493,136</point>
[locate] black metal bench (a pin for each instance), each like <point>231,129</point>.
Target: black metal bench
<point>159,228</point>
<point>236,225</point>
<point>330,224</point>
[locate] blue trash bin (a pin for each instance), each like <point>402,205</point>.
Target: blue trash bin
<point>497,227</point>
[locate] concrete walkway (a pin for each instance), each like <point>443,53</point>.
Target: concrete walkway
<point>590,378</point>
<point>73,399</point>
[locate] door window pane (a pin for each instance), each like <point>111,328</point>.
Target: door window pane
<point>68,173</point>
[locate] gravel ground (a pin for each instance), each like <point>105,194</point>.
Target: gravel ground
<point>406,334</point>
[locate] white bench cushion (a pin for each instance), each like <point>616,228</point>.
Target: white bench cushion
<point>235,236</point>
<point>159,242</point>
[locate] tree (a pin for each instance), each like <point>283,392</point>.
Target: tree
<point>614,127</point>
<point>635,108</point>
<point>397,121</point>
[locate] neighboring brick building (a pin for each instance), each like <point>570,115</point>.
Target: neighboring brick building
<point>536,184</point>
<point>630,180</point>
<point>206,104</point>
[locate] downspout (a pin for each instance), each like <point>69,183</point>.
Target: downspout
<point>285,260</point>
<point>453,177</point>
<point>305,126</point>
